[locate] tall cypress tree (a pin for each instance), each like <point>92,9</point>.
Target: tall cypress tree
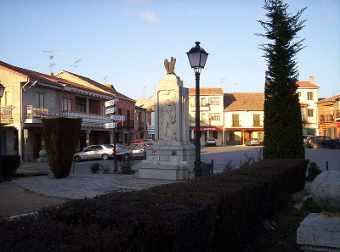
<point>282,113</point>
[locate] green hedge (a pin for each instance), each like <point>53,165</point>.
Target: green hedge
<point>61,137</point>
<point>218,213</point>
<point>8,166</point>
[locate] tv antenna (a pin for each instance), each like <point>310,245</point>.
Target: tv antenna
<point>75,63</point>
<point>51,56</point>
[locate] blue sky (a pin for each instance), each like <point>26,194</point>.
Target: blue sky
<point>124,42</point>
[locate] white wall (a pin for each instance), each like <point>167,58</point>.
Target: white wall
<point>207,111</point>
<point>311,104</point>
<point>245,119</point>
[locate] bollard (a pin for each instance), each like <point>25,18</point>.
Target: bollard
<point>211,168</point>
<point>326,165</point>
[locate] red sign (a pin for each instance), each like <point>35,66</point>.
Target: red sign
<point>210,129</point>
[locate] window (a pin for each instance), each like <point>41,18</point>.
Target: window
<point>81,104</point>
<point>310,96</point>
<point>215,117</point>
<point>204,118</point>
<point>310,112</point>
<point>41,100</point>
<point>236,120</point>
<point>299,94</point>
<point>6,98</point>
<point>214,101</point>
<point>256,120</point>
<point>66,105</point>
<point>204,101</point>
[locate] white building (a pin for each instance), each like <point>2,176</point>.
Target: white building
<point>211,113</point>
<point>243,117</point>
<point>308,98</point>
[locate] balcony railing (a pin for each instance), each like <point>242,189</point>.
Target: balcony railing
<point>6,116</point>
<point>235,123</point>
<point>88,120</point>
<point>337,115</point>
<point>326,118</point>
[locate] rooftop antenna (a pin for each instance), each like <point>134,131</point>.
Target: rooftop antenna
<point>51,55</point>
<point>75,63</point>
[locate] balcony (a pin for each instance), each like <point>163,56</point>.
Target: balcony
<point>6,116</point>
<point>236,123</point>
<point>34,115</point>
<point>337,115</point>
<point>88,120</point>
<point>326,118</point>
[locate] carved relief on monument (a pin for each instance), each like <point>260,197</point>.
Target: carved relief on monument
<point>167,116</point>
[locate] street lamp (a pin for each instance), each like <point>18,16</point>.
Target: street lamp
<point>197,58</point>
<point>2,89</point>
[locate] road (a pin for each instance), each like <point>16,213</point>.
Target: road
<point>237,154</point>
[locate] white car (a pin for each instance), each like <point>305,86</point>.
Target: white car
<point>102,151</point>
<point>211,142</point>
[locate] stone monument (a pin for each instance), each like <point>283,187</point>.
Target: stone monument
<point>321,231</point>
<point>172,156</point>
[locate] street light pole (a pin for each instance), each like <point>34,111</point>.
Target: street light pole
<point>2,90</point>
<point>197,127</point>
<point>197,58</point>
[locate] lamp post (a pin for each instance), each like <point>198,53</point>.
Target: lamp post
<point>197,59</point>
<point>2,89</point>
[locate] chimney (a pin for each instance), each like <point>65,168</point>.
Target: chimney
<point>311,78</point>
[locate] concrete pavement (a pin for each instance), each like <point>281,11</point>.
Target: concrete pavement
<point>16,200</point>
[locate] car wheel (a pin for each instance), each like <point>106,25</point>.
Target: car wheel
<point>77,158</point>
<point>105,156</point>
<point>125,156</point>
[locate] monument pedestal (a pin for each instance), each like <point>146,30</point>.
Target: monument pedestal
<point>170,162</point>
<point>172,156</point>
<point>319,232</point>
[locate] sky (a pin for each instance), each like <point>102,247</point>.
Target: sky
<point>124,42</point>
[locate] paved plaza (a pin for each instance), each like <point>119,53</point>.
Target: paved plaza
<point>26,194</point>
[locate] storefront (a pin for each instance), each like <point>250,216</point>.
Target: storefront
<point>242,136</point>
<point>209,133</point>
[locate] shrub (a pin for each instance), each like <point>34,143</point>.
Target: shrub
<point>126,167</point>
<point>8,166</point>
<point>215,213</point>
<point>95,168</point>
<point>61,137</point>
<point>313,171</point>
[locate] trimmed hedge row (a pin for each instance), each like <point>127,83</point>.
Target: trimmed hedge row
<point>216,213</point>
<point>8,166</point>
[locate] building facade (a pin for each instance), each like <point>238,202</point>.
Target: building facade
<point>125,105</point>
<point>141,132</point>
<point>211,114</point>
<point>33,96</point>
<point>148,105</point>
<point>329,116</point>
<point>243,118</point>
<point>308,98</point>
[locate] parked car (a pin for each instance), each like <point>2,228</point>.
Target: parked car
<point>306,139</point>
<point>253,142</point>
<point>101,151</point>
<point>138,148</point>
<point>316,142</point>
<point>137,151</point>
<point>211,142</point>
<point>331,144</point>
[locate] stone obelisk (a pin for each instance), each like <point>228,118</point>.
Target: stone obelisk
<point>172,156</point>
